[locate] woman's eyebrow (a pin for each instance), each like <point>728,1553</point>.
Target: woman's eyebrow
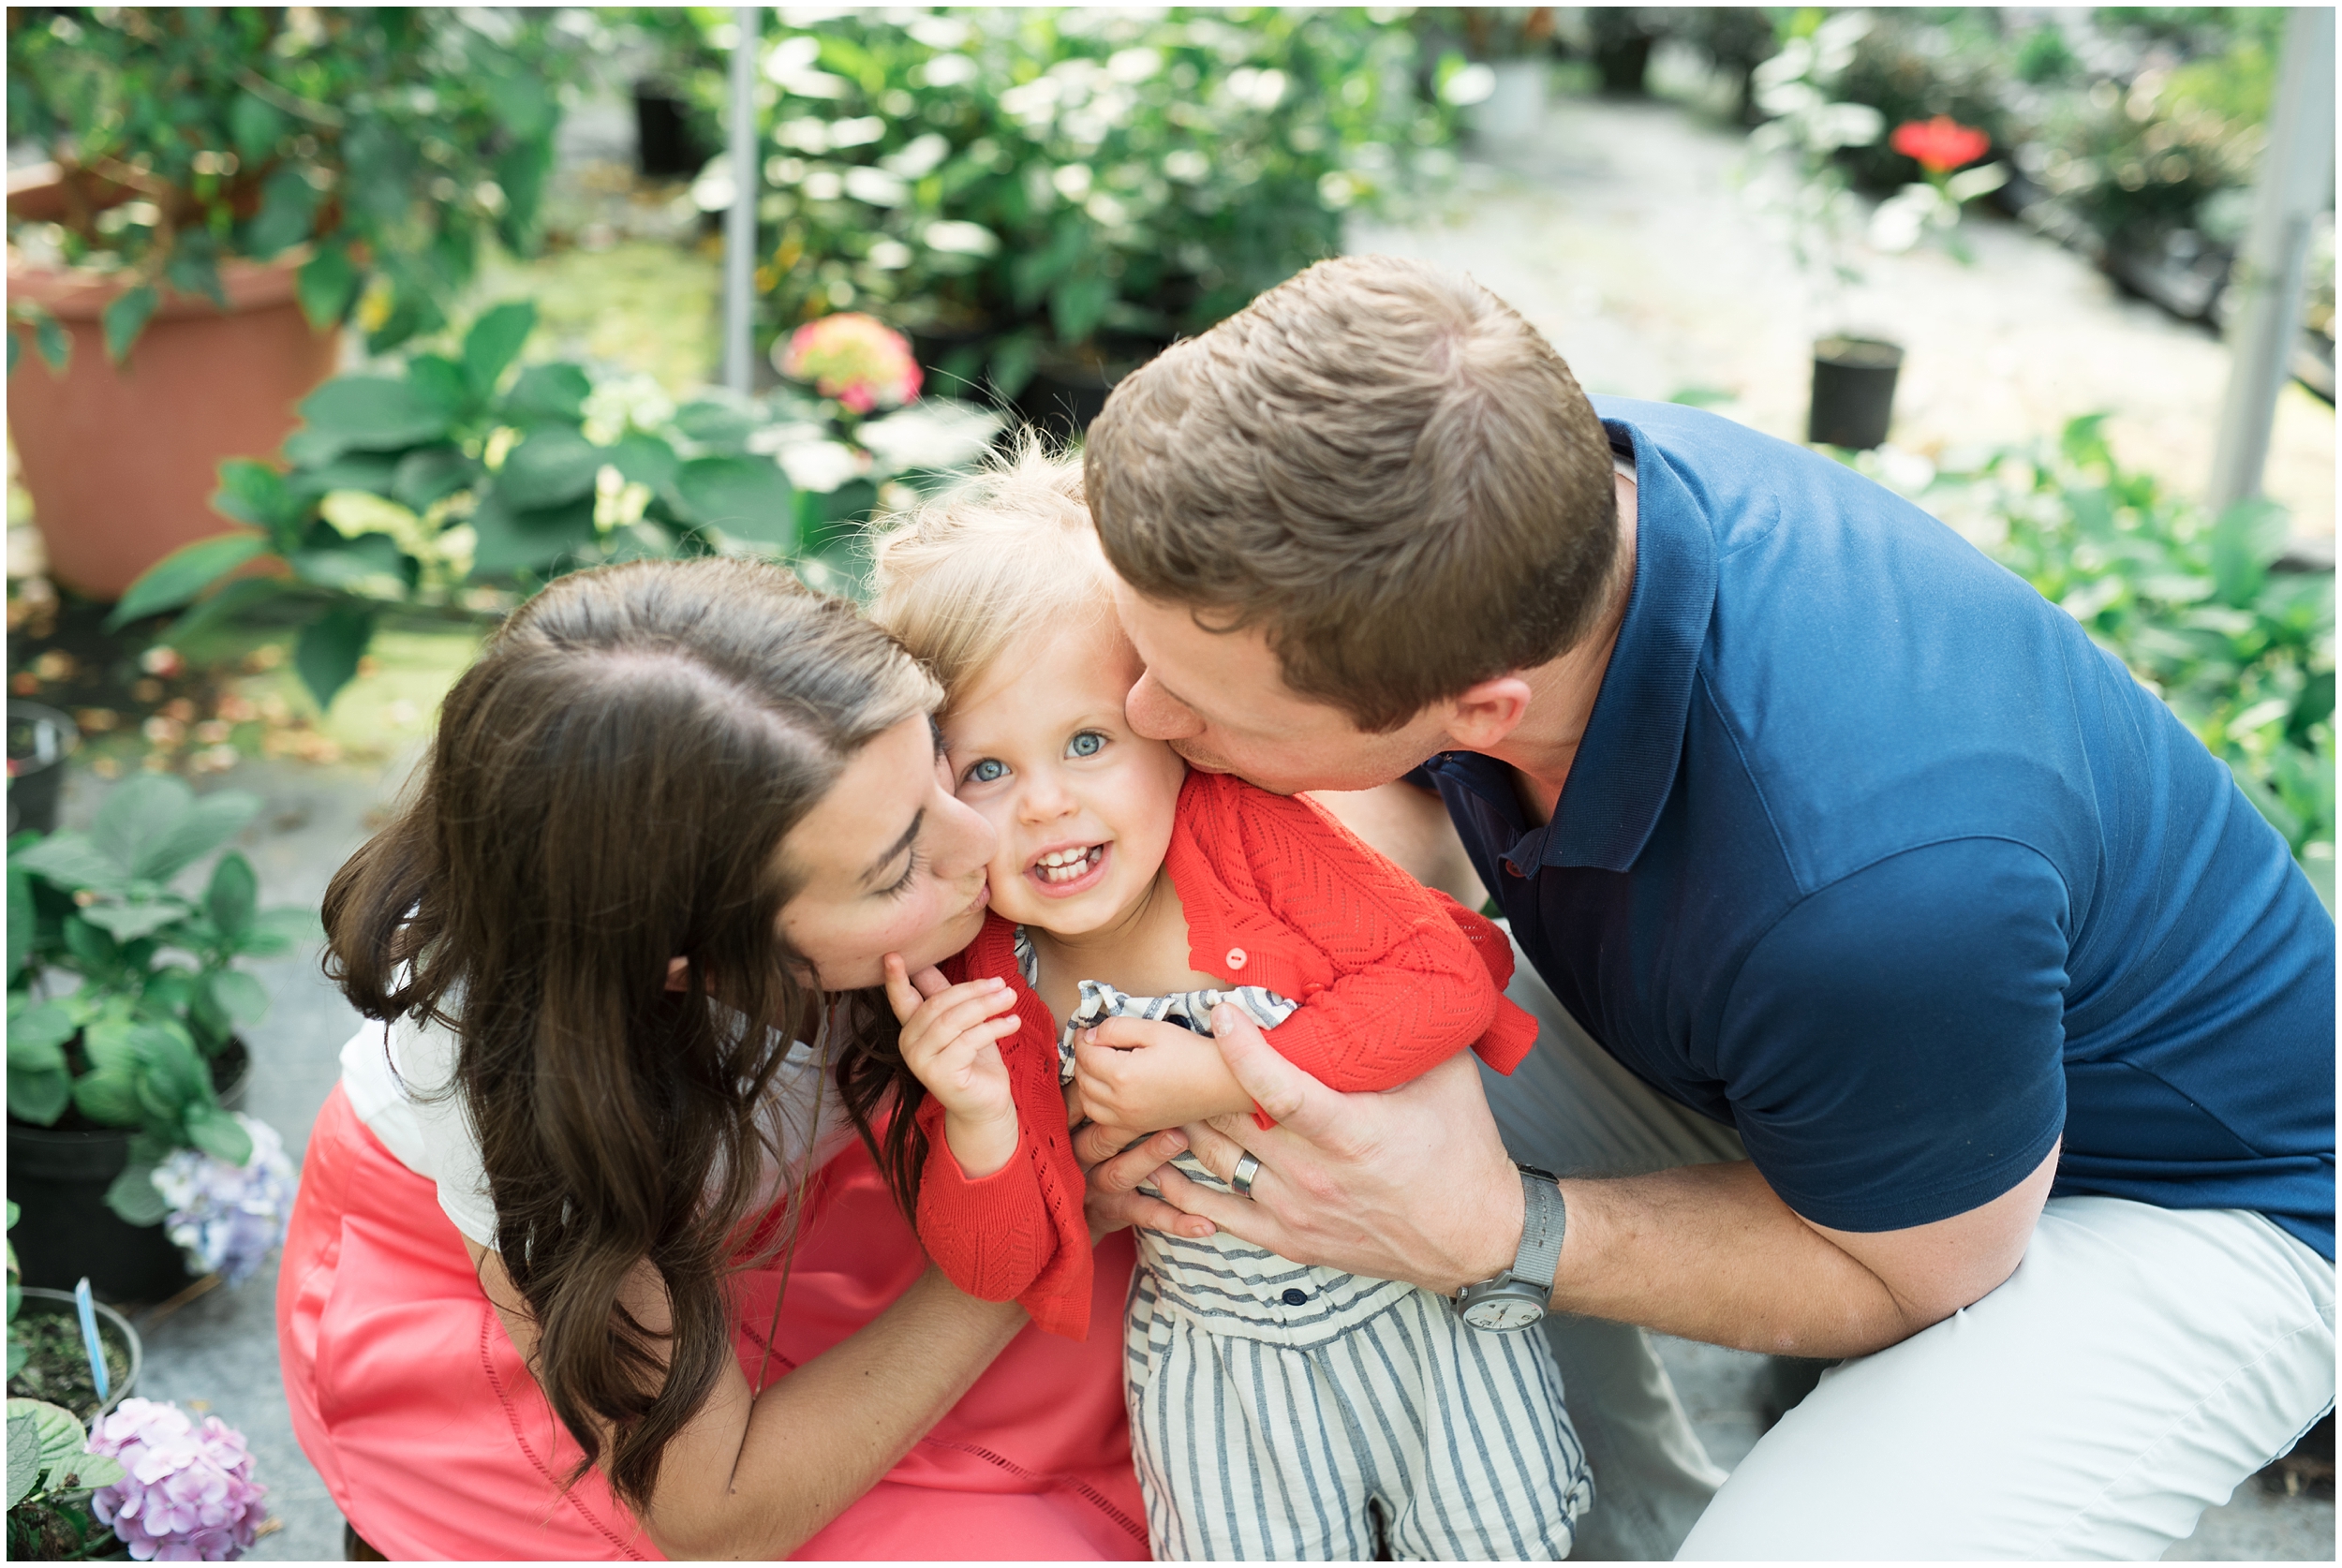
<point>910,836</point>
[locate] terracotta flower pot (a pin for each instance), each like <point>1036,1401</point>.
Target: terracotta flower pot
<point>122,463</point>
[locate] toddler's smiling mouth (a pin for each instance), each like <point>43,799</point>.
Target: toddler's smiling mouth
<point>1067,869</point>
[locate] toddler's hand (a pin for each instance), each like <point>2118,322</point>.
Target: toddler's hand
<point>1137,1073</point>
<point>951,1042</point>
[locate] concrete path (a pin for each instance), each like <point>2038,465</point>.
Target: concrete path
<point>1622,236</point>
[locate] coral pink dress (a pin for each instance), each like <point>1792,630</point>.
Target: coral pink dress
<point>434,1439</point>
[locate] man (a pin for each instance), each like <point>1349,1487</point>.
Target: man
<point>1886,933</point>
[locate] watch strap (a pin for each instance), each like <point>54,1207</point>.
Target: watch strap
<point>1543,1224</point>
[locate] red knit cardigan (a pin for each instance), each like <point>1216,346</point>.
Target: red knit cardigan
<point>1393,979</point>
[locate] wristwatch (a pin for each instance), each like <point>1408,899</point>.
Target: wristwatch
<point>1516,1297</point>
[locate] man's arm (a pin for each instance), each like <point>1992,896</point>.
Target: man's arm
<point>1415,1185</point>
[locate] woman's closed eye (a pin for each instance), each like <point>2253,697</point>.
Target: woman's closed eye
<point>901,884</point>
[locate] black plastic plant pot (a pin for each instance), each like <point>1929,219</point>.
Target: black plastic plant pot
<point>1065,394</point>
<point>1854,392</point>
<point>665,147</point>
<point>39,740</point>
<point>58,1176</point>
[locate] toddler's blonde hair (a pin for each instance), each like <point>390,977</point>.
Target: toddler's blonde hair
<point>1009,552</point>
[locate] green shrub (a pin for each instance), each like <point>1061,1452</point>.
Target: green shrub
<point>2242,653</point>
<point>392,140</point>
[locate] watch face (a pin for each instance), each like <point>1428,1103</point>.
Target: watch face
<point>1503,1312</point>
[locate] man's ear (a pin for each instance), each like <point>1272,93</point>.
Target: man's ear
<point>1481,716</point>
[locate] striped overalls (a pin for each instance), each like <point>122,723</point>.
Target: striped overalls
<point>1285,1412</point>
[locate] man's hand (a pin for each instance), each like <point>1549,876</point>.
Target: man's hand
<point>1139,1072</point>
<point>1117,1162</point>
<point>1410,1184</point>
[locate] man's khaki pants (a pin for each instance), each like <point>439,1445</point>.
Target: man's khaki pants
<point>2137,1366</point>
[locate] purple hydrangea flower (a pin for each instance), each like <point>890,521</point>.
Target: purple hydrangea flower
<point>186,1494</point>
<point>227,1218</point>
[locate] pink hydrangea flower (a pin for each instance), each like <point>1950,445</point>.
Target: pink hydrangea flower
<point>186,1494</point>
<point>857,359</point>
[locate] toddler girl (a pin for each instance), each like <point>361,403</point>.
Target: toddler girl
<point>1277,1410</point>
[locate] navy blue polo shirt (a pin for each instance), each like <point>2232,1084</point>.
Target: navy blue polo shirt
<point>1870,854</point>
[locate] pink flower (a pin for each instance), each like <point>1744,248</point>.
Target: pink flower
<point>857,359</point>
<point>1941,144</point>
<point>186,1494</point>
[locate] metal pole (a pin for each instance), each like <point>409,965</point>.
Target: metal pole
<point>2296,185</point>
<point>740,221</point>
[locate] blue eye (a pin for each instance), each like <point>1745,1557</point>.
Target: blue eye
<point>1088,744</point>
<point>988,771</point>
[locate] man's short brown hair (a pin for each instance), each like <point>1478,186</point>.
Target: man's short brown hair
<point>1382,466</point>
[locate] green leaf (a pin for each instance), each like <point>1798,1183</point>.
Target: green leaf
<point>239,996</point>
<point>257,126</point>
<point>549,391</point>
<point>126,317</point>
<point>54,343</point>
<point>70,861</point>
<point>510,542</point>
<point>133,1197</point>
<point>89,944</point>
<point>193,272</point>
<point>2244,540</point>
<point>351,566</point>
<point>288,211</point>
<point>234,599</point>
<point>555,465</point>
<point>62,1439</point>
<point>219,1135</point>
<point>307,449</point>
<point>715,425</point>
<point>108,1098</point>
<point>254,492</point>
<point>37,1034</point>
<point>494,341</point>
<point>157,842</point>
<point>89,1472</point>
<point>128,923</point>
<point>326,286</point>
<point>350,470</point>
<point>645,460</point>
<point>1077,304</point>
<point>443,381</point>
<point>431,474</point>
<point>21,919</point>
<point>521,102</point>
<point>24,1466</point>
<point>184,573</point>
<point>748,497</point>
<point>329,650</point>
<point>39,1096</point>
<point>374,413</point>
<point>233,895</point>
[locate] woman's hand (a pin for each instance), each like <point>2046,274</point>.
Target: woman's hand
<point>1139,1072</point>
<point>951,1042</point>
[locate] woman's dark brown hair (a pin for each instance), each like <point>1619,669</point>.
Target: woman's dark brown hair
<point>608,789</point>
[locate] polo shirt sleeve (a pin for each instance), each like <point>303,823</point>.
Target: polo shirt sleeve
<point>1892,1047</point>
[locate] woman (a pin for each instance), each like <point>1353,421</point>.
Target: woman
<point>661,1303</point>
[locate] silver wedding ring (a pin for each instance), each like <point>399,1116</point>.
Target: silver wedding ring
<point>1241,1182</point>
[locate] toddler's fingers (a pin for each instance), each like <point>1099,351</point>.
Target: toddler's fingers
<point>901,995</point>
<point>947,1013</point>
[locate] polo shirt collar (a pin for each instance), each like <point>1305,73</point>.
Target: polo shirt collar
<point>1626,763</point>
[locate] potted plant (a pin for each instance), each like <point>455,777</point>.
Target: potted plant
<point>227,186</point>
<point>447,489</point>
<point>51,1478</point>
<point>107,1080</point>
<point>1044,198</point>
<point>1797,147</point>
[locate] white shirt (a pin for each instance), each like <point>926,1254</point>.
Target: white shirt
<point>398,1077</point>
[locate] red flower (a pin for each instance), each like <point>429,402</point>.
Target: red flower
<point>1941,144</point>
